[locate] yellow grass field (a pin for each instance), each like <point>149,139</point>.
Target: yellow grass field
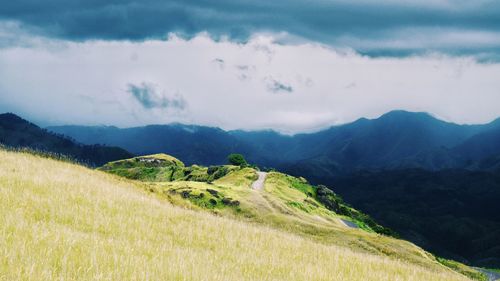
<point>61,221</point>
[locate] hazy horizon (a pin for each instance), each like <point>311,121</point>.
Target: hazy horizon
<point>258,130</point>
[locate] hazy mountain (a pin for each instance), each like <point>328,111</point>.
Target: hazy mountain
<point>18,133</point>
<point>482,145</point>
<point>398,139</point>
<point>195,144</point>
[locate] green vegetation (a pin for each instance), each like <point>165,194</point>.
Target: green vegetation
<point>287,203</point>
<point>164,168</point>
<point>334,203</point>
<point>157,167</point>
<point>200,194</point>
<point>465,270</point>
<point>237,160</point>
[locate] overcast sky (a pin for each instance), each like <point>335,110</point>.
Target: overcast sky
<point>287,65</point>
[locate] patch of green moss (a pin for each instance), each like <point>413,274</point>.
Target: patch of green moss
<point>301,185</point>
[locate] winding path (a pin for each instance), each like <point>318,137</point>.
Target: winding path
<point>259,183</point>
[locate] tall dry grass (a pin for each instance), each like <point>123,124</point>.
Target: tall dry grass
<point>60,221</point>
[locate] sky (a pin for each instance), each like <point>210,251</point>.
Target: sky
<point>292,66</point>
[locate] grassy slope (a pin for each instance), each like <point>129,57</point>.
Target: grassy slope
<point>66,222</point>
<point>282,206</point>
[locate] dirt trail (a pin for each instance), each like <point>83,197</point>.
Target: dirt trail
<point>259,183</point>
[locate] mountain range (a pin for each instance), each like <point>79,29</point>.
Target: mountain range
<point>398,139</point>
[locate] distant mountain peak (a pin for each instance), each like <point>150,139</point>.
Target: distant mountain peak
<point>400,114</point>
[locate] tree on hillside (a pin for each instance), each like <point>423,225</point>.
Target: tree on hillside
<point>237,160</point>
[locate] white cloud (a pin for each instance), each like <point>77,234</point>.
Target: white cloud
<point>226,84</point>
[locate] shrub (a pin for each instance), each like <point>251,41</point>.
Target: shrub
<point>328,198</point>
<point>237,160</point>
<point>216,172</point>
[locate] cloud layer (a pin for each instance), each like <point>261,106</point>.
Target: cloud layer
<point>385,27</point>
<point>254,85</point>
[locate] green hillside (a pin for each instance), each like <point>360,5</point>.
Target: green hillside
<point>226,189</point>
<point>284,202</point>
<point>67,222</point>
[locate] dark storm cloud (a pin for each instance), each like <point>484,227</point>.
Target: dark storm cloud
<point>147,96</point>
<point>368,26</point>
